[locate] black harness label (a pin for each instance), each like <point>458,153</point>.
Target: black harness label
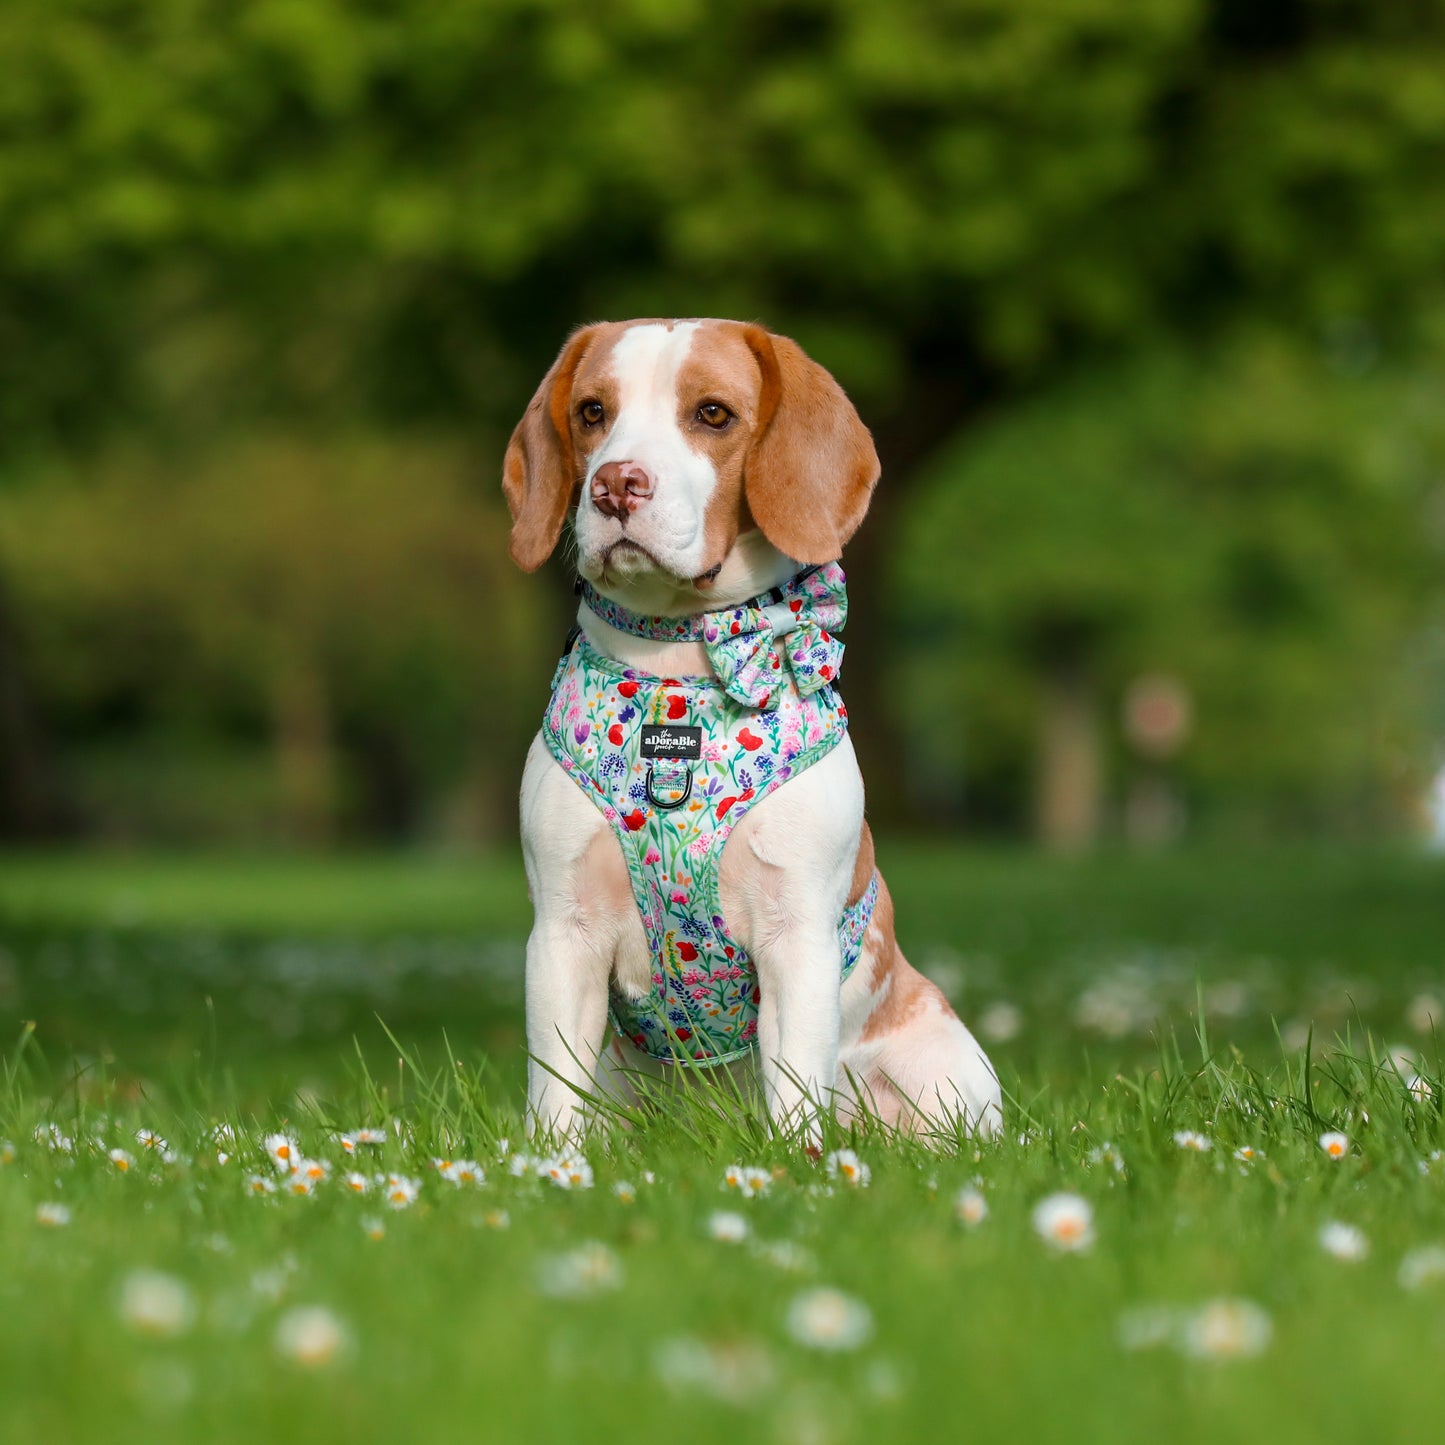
<point>659,740</point>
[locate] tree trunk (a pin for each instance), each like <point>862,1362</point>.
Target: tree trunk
<point>31,801</point>
<point>305,751</point>
<point>1069,783</point>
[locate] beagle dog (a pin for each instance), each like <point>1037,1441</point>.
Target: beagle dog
<point>707,466</point>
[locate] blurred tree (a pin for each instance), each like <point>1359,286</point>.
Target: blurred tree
<point>1248,521</point>
<point>351,600</point>
<point>315,214</point>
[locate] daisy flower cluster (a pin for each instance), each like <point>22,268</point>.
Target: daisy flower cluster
<point>390,1169</point>
<point>298,1174</point>
<point>748,1180</point>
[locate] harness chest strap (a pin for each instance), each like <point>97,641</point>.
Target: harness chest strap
<point>674,763</point>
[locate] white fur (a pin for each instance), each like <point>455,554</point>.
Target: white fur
<point>647,429</point>
<point>786,868</point>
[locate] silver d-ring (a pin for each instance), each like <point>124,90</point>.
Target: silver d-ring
<point>668,804</point>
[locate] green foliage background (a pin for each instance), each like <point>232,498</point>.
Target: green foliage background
<point>1141,299</point>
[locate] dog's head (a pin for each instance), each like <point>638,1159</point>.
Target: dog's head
<point>673,439</point>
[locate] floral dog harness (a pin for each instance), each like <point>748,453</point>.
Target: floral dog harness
<point>674,763</point>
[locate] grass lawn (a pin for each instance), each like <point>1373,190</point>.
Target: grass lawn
<point>219,1002</point>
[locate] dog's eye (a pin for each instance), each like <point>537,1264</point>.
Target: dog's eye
<point>591,413</point>
<point>714,414</point>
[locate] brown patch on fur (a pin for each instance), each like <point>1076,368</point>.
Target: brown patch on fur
<point>863,865</point>
<point>721,367</point>
<point>907,993</point>
<point>812,468</point>
<point>539,471</point>
<point>546,458</point>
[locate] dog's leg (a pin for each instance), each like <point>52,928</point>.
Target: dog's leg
<point>580,897</point>
<point>906,1057</point>
<point>785,876</point>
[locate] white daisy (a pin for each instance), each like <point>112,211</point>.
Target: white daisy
<point>284,1151</point>
<point>845,1165</point>
<point>1108,1155</point>
<point>569,1171</point>
<point>1335,1144</point>
<point>464,1173</point>
<point>1191,1139</point>
<point>1247,1154</point>
<point>1343,1241</point>
<point>152,1303</point>
<point>53,1138</point>
<point>311,1335</point>
<point>373,1228</point>
<point>316,1170</point>
<point>971,1207</point>
<point>7,1152</point>
<point>1065,1222</point>
<point>120,1159</point>
<point>1000,1022</point>
<point>53,1216</point>
<point>1424,1011</point>
<point>356,1182</point>
<point>400,1191</point>
<point>624,1192</point>
<point>729,1371</point>
<point>301,1185</point>
<point>259,1184</point>
<point>497,1219</point>
<point>1227,1329</point>
<point>368,1138</point>
<point>827,1319</point>
<point>750,1180</point>
<point>727,1227</point>
<point>1424,1266</point>
<point>149,1139</point>
<point>590,1269</point>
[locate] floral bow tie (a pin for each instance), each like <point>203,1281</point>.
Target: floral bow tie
<point>750,646</point>
<point>792,630</point>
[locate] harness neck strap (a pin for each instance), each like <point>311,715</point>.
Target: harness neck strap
<point>694,627</point>
<point>783,638</point>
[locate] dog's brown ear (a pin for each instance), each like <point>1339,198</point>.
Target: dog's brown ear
<point>539,471</point>
<point>812,466</point>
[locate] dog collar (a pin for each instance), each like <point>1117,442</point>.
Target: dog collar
<point>692,627</point>
<point>746,644</point>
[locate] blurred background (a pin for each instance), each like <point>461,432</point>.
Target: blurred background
<point>1143,299</point>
